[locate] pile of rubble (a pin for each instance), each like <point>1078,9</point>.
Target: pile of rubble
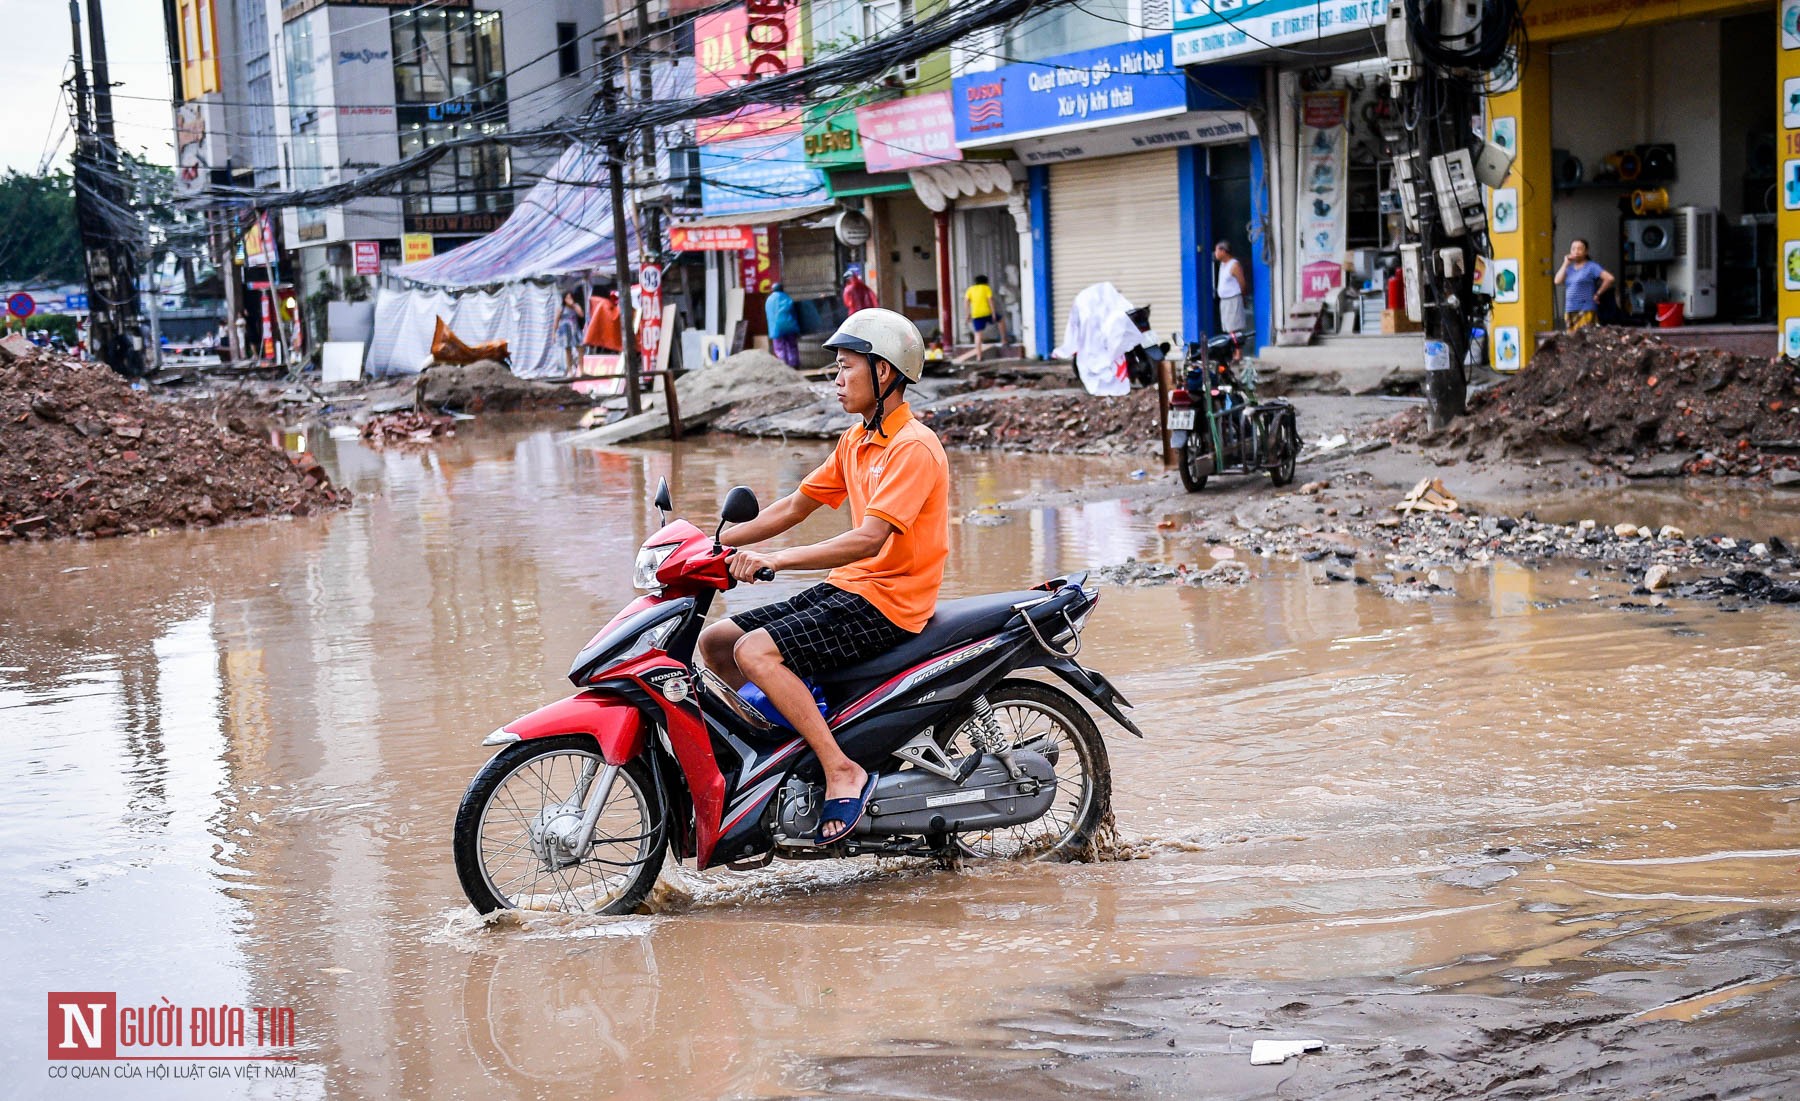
<point>82,453</point>
<point>1625,396</point>
<point>487,386</point>
<point>1061,421</point>
<point>407,428</point>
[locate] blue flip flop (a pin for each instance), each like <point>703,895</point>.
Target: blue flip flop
<point>847,811</point>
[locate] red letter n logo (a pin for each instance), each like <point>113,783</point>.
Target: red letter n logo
<point>82,1025</point>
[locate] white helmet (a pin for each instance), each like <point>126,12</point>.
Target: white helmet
<point>884,333</point>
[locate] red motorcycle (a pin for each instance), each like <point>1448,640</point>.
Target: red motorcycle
<point>578,809</point>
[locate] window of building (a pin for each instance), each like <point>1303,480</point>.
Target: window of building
<point>568,57</point>
<point>448,55</point>
<point>449,82</point>
<point>199,49</point>
<point>1088,26</point>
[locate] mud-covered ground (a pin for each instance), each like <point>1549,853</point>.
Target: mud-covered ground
<point>1462,840</point>
<point>1702,1010</point>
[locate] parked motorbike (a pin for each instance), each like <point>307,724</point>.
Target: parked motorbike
<point>1141,358</point>
<point>654,754</point>
<point>1218,425</point>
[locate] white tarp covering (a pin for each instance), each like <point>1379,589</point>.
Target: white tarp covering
<point>522,314</point>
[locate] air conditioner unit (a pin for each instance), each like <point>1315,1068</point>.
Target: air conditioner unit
<point>1648,240</point>
<point>1694,273</point>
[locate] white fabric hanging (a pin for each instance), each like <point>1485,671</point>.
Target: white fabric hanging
<point>1098,335</point>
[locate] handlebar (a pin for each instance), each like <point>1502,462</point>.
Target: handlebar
<point>764,574</point>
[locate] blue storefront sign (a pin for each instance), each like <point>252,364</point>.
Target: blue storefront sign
<point>1132,80</point>
<point>758,174</point>
<point>1208,30</point>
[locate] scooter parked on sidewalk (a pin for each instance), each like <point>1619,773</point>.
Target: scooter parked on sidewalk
<point>578,809</point>
<point>1218,426</point>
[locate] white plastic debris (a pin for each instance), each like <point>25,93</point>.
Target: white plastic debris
<point>1264,1053</point>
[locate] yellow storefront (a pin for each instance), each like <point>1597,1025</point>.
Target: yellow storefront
<point>1644,126</point>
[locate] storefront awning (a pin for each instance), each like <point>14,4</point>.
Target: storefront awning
<point>1189,128</point>
<point>757,217</point>
<point>562,226</point>
<point>937,184</point>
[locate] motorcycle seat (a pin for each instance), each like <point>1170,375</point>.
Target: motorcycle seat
<point>955,622</point>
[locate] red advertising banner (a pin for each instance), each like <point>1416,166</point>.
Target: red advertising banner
<point>711,238</point>
<point>908,133</point>
<point>735,47</point>
<point>368,257</point>
<point>760,271</point>
<point>732,48</point>
<point>650,313</point>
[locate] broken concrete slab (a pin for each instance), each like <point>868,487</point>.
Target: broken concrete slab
<point>1670,465</point>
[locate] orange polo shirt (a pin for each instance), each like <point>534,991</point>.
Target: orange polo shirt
<point>903,478</point>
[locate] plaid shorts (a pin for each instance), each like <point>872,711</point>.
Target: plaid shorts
<point>824,628</point>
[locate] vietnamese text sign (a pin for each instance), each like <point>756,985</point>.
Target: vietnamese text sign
<point>649,313</point>
<point>756,174</point>
<point>1207,30</point>
<point>908,133</point>
<point>368,257</point>
<point>1131,80</point>
<point>759,269</point>
<point>711,238</point>
<point>416,246</point>
<point>1324,156</point>
<point>740,45</point>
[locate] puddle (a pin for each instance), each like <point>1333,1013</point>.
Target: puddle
<point>236,756</point>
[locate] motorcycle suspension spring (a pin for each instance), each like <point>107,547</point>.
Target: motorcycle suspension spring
<point>984,732</point>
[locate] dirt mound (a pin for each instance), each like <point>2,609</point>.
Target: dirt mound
<point>83,453</point>
<point>1061,421</point>
<point>487,386</point>
<point>745,375</point>
<point>1623,395</point>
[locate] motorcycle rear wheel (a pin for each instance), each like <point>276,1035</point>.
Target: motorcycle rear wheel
<point>1028,712</point>
<point>1286,445</point>
<point>1197,447</point>
<point>495,857</point>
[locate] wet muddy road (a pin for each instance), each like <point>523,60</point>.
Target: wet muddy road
<point>1467,843</point>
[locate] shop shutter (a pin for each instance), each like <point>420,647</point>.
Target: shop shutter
<point>809,263</point>
<point>1117,220</point>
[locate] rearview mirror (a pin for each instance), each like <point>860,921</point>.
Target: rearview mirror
<point>661,500</point>
<point>740,506</point>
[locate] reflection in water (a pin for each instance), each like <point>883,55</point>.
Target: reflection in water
<point>244,748</point>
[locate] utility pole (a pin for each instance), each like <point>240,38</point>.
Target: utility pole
<point>615,169</point>
<point>113,334</point>
<point>1438,58</point>
<point>651,245</point>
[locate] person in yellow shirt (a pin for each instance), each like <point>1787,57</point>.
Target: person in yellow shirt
<point>980,297</point>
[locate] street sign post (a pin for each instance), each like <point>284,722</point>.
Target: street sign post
<point>21,305</point>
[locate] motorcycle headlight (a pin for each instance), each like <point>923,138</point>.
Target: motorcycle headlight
<point>649,560</point>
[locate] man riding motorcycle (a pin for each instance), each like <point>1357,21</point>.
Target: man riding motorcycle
<point>885,571</point>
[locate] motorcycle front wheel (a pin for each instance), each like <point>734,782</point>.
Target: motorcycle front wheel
<point>1044,720</point>
<point>524,800</point>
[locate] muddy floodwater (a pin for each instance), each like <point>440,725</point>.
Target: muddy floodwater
<point>1514,840</point>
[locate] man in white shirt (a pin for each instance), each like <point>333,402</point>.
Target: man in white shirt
<point>1233,318</point>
